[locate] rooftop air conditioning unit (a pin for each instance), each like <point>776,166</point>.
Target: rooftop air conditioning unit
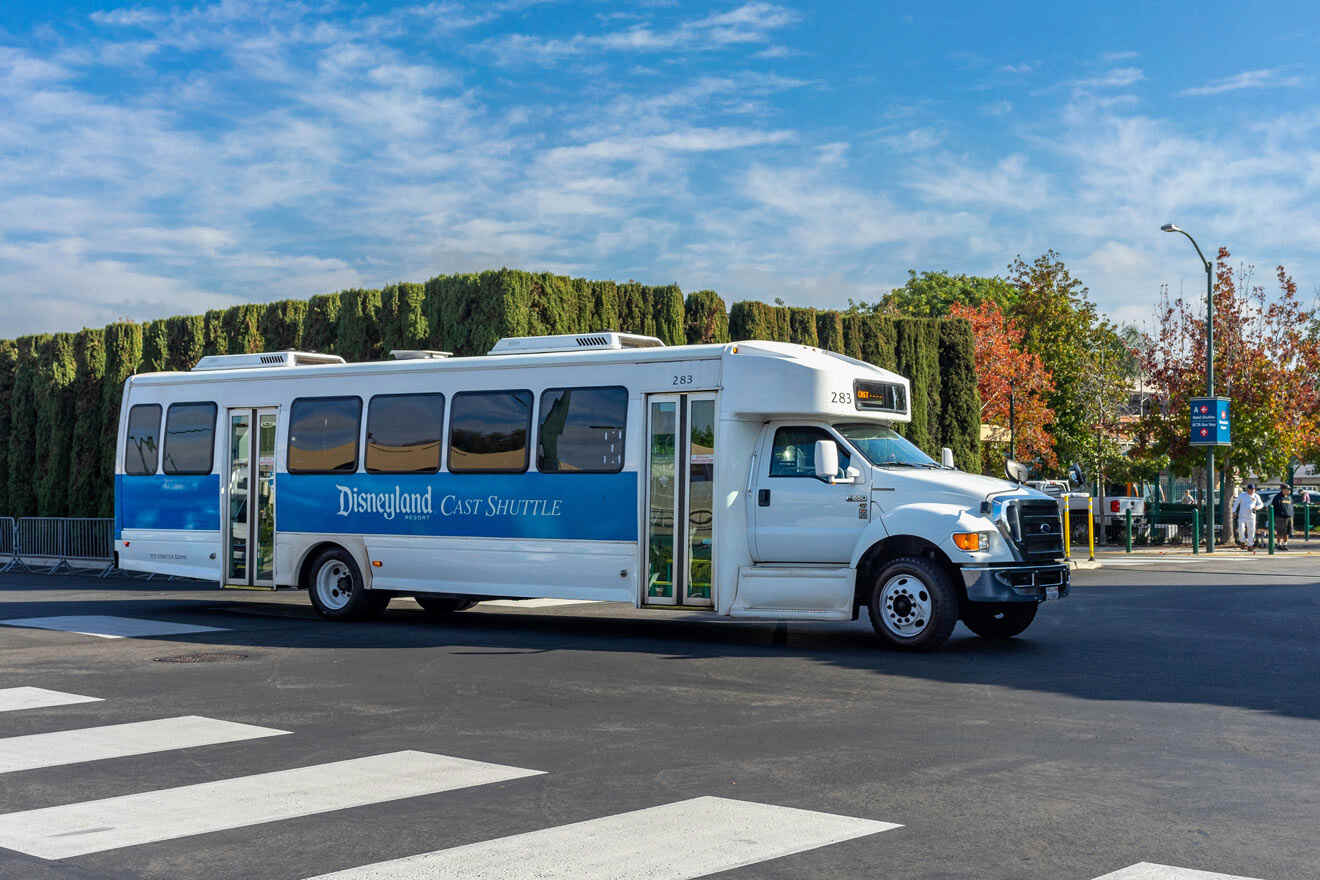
<point>264,359</point>
<point>604,341</point>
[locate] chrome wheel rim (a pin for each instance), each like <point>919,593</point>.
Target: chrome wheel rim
<point>905,605</point>
<point>334,585</point>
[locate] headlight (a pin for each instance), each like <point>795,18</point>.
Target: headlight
<point>972,542</point>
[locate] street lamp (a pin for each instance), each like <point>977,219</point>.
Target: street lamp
<point>1209,382</point>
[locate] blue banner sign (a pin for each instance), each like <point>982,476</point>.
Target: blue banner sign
<point>582,507</point>
<point>1210,424</point>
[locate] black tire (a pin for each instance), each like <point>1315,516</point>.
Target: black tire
<point>915,584</point>
<point>443,606</point>
<point>337,590</point>
<point>991,620</point>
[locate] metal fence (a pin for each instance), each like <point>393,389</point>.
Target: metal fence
<point>57,543</point>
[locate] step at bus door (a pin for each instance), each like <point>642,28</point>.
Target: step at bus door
<point>249,487</point>
<point>680,500</point>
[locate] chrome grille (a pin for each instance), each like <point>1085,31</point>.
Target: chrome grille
<point>1038,530</point>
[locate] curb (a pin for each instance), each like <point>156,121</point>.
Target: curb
<point>1085,564</point>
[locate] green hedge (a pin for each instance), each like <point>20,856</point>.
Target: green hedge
<point>60,394</point>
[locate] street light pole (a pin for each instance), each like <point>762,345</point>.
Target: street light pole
<point>1209,383</point>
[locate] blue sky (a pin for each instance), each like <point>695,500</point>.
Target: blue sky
<point>161,159</point>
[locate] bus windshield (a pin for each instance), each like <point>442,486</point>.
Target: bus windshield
<point>883,447</point>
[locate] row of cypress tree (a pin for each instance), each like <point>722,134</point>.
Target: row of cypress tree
<point>60,393</point>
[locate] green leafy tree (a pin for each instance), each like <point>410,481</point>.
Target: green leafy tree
<point>8,363</point>
<point>931,294</point>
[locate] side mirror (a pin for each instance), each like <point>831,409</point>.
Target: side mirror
<point>1075,475</point>
<point>827,460</point>
<point>1017,471</point>
<point>946,457</point>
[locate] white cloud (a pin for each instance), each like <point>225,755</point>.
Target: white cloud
<point>1117,78</point>
<point>1267,78</point>
<point>997,108</point>
<point>746,24</point>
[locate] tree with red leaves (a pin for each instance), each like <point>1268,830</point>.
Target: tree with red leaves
<point>1004,367</point>
<point>1265,360</point>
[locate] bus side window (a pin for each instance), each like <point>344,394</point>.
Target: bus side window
<point>190,438</point>
<point>323,435</point>
<point>488,431</point>
<point>404,433</point>
<point>143,441</point>
<point>581,430</point>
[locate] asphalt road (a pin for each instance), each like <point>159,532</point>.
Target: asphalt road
<point>1166,713</point>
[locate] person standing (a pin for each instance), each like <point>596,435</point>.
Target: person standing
<point>1283,517</point>
<point>1188,497</point>
<point>1244,508</point>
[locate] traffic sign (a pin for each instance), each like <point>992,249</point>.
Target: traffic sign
<point>1210,425</point>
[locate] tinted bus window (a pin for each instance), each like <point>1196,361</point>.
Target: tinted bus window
<point>189,438</point>
<point>404,433</point>
<point>581,430</point>
<point>323,435</point>
<point>488,431</point>
<point>794,452</point>
<point>143,439</point>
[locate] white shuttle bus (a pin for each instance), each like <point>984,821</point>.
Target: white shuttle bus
<point>753,479</point>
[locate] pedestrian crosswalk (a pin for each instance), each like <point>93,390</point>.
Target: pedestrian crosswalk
<point>129,820</point>
<point>677,840</point>
<point>16,698</point>
<point>121,740</point>
<point>1149,871</point>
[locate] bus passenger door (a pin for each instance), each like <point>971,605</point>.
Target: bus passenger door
<point>680,499</point>
<point>249,539</point>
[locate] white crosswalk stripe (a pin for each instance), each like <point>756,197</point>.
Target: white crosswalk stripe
<point>537,603</point>
<point>687,839</point>
<point>129,820</point>
<point>1150,871</point>
<point>109,626</point>
<point>121,740</point>
<point>16,698</point>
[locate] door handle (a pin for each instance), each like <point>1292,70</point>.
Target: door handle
<point>763,497</point>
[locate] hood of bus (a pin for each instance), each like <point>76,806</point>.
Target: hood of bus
<point>945,486</point>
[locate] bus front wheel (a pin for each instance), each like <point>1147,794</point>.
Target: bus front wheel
<point>337,590</point>
<point>913,605</point>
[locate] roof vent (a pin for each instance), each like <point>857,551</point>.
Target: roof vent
<point>417,354</point>
<point>264,359</point>
<point>603,341</point>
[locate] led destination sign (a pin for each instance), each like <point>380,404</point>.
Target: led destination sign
<point>880,396</point>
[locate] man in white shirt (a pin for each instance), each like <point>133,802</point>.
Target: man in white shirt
<point>1245,506</point>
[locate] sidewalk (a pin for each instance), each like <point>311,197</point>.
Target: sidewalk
<point>1116,552</point>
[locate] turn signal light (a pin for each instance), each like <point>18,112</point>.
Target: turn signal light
<point>969,541</point>
<point>375,563</point>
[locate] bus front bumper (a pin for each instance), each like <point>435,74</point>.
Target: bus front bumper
<point>1016,583</point>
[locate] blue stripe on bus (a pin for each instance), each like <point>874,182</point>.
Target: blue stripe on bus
<point>162,502</point>
<point>584,507</point>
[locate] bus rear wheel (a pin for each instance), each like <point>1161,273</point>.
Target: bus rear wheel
<point>999,621</point>
<point>337,590</point>
<point>443,606</point>
<point>913,605</point>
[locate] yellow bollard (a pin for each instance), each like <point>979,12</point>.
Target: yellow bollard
<point>1067,527</point>
<point>1090,526</point>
